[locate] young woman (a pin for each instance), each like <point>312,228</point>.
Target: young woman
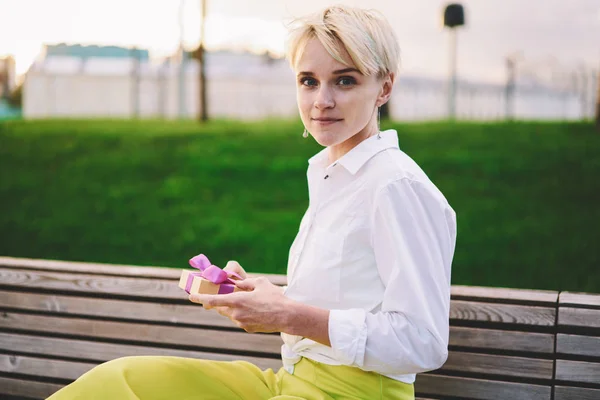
<point>367,302</point>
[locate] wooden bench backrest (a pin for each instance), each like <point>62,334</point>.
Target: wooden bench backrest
<point>578,347</point>
<point>60,319</point>
<point>501,346</point>
<point>57,323</point>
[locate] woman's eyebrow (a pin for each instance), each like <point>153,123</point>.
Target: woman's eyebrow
<point>345,71</point>
<point>336,72</point>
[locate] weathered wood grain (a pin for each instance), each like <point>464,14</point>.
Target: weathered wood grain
<point>91,313</point>
<point>112,269</point>
<point>526,368</point>
<point>91,268</point>
<point>93,284</point>
<point>578,345</point>
<point>578,371</point>
<point>578,317</point>
<point>194,314</point>
<point>524,296</point>
<point>34,366</point>
<point>478,389</point>
<point>27,388</point>
<point>51,304</point>
<point>494,339</point>
<point>581,299</point>
<point>143,333</point>
<point>502,313</point>
<point>572,393</point>
<point>93,351</point>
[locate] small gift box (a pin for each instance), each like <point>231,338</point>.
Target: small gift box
<point>209,279</point>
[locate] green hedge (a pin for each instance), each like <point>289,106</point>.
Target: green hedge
<point>527,195</point>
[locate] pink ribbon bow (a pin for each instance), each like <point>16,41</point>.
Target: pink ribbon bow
<point>211,273</point>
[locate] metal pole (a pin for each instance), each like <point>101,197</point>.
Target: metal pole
<point>181,91</point>
<point>598,102</point>
<point>584,93</point>
<point>510,89</point>
<point>203,114</point>
<point>135,83</point>
<point>452,83</point>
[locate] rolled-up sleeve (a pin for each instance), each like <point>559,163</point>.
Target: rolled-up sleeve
<point>413,238</point>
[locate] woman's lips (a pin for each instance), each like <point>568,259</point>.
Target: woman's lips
<point>326,121</point>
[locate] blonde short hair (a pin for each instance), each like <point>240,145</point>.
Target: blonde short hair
<point>365,34</point>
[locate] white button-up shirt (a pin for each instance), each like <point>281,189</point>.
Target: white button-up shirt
<point>375,247</point>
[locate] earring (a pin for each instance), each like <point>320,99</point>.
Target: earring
<point>305,134</point>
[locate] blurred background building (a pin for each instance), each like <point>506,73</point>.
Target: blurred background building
<point>78,81</point>
<point>516,60</point>
<point>117,82</point>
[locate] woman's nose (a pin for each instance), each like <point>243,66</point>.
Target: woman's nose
<point>324,98</point>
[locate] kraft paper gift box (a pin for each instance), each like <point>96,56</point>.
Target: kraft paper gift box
<point>208,278</point>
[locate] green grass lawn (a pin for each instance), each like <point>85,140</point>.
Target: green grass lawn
<point>527,195</point>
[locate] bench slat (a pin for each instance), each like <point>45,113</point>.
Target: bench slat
<point>459,336</point>
<point>94,284</point>
<point>101,351</point>
<point>144,333</point>
<point>60,369</point>
<point>525,296</point>
<point>27,388</point>
<point>194,314</point>
<point>578,317</point>
<point>499,365</point>
<point>569,393</point>
<point>98,351</point>
<point>578,345</point>
<point>90,268</point>
<point>67,370</point>
<point>471,292</point>
<point>502,313</point>
<point>125,309</point>
<point>111,269</point>
<point>478,389</point>
<point>578,371</point>
<point>494,339</point>
<point>582,299</point>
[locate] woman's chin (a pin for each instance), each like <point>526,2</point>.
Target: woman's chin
<point>325,139</point>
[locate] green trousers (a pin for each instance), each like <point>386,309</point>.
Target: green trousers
<point>175,378</point>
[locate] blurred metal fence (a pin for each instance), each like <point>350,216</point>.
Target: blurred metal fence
<point>248,86</point>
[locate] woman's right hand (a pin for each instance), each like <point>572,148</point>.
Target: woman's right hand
<point>234,266</point>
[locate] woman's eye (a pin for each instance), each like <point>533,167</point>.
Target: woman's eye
<point>346,81</point>
<point>308,81</point>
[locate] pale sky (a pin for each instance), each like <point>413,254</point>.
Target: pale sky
<point>565,31</point>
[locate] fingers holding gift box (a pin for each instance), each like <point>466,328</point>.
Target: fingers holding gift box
<point>208,279</point>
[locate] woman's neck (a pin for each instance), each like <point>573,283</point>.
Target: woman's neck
<point>339,150</point>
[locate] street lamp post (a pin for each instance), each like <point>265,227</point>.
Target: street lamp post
<point>598,103</point>
<point>135,82</point>
<point>454,16</point>
<point>182,63</point>
<point>203,114</point>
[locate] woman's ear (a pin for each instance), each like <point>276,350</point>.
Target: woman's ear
<point>386,89</point>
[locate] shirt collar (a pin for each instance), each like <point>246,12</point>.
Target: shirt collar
<point>361,153</point>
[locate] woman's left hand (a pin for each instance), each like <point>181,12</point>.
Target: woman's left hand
<point>261,307</point>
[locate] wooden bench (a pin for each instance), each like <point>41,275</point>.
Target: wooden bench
<point>578,347</point>
<point>59,319</point>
